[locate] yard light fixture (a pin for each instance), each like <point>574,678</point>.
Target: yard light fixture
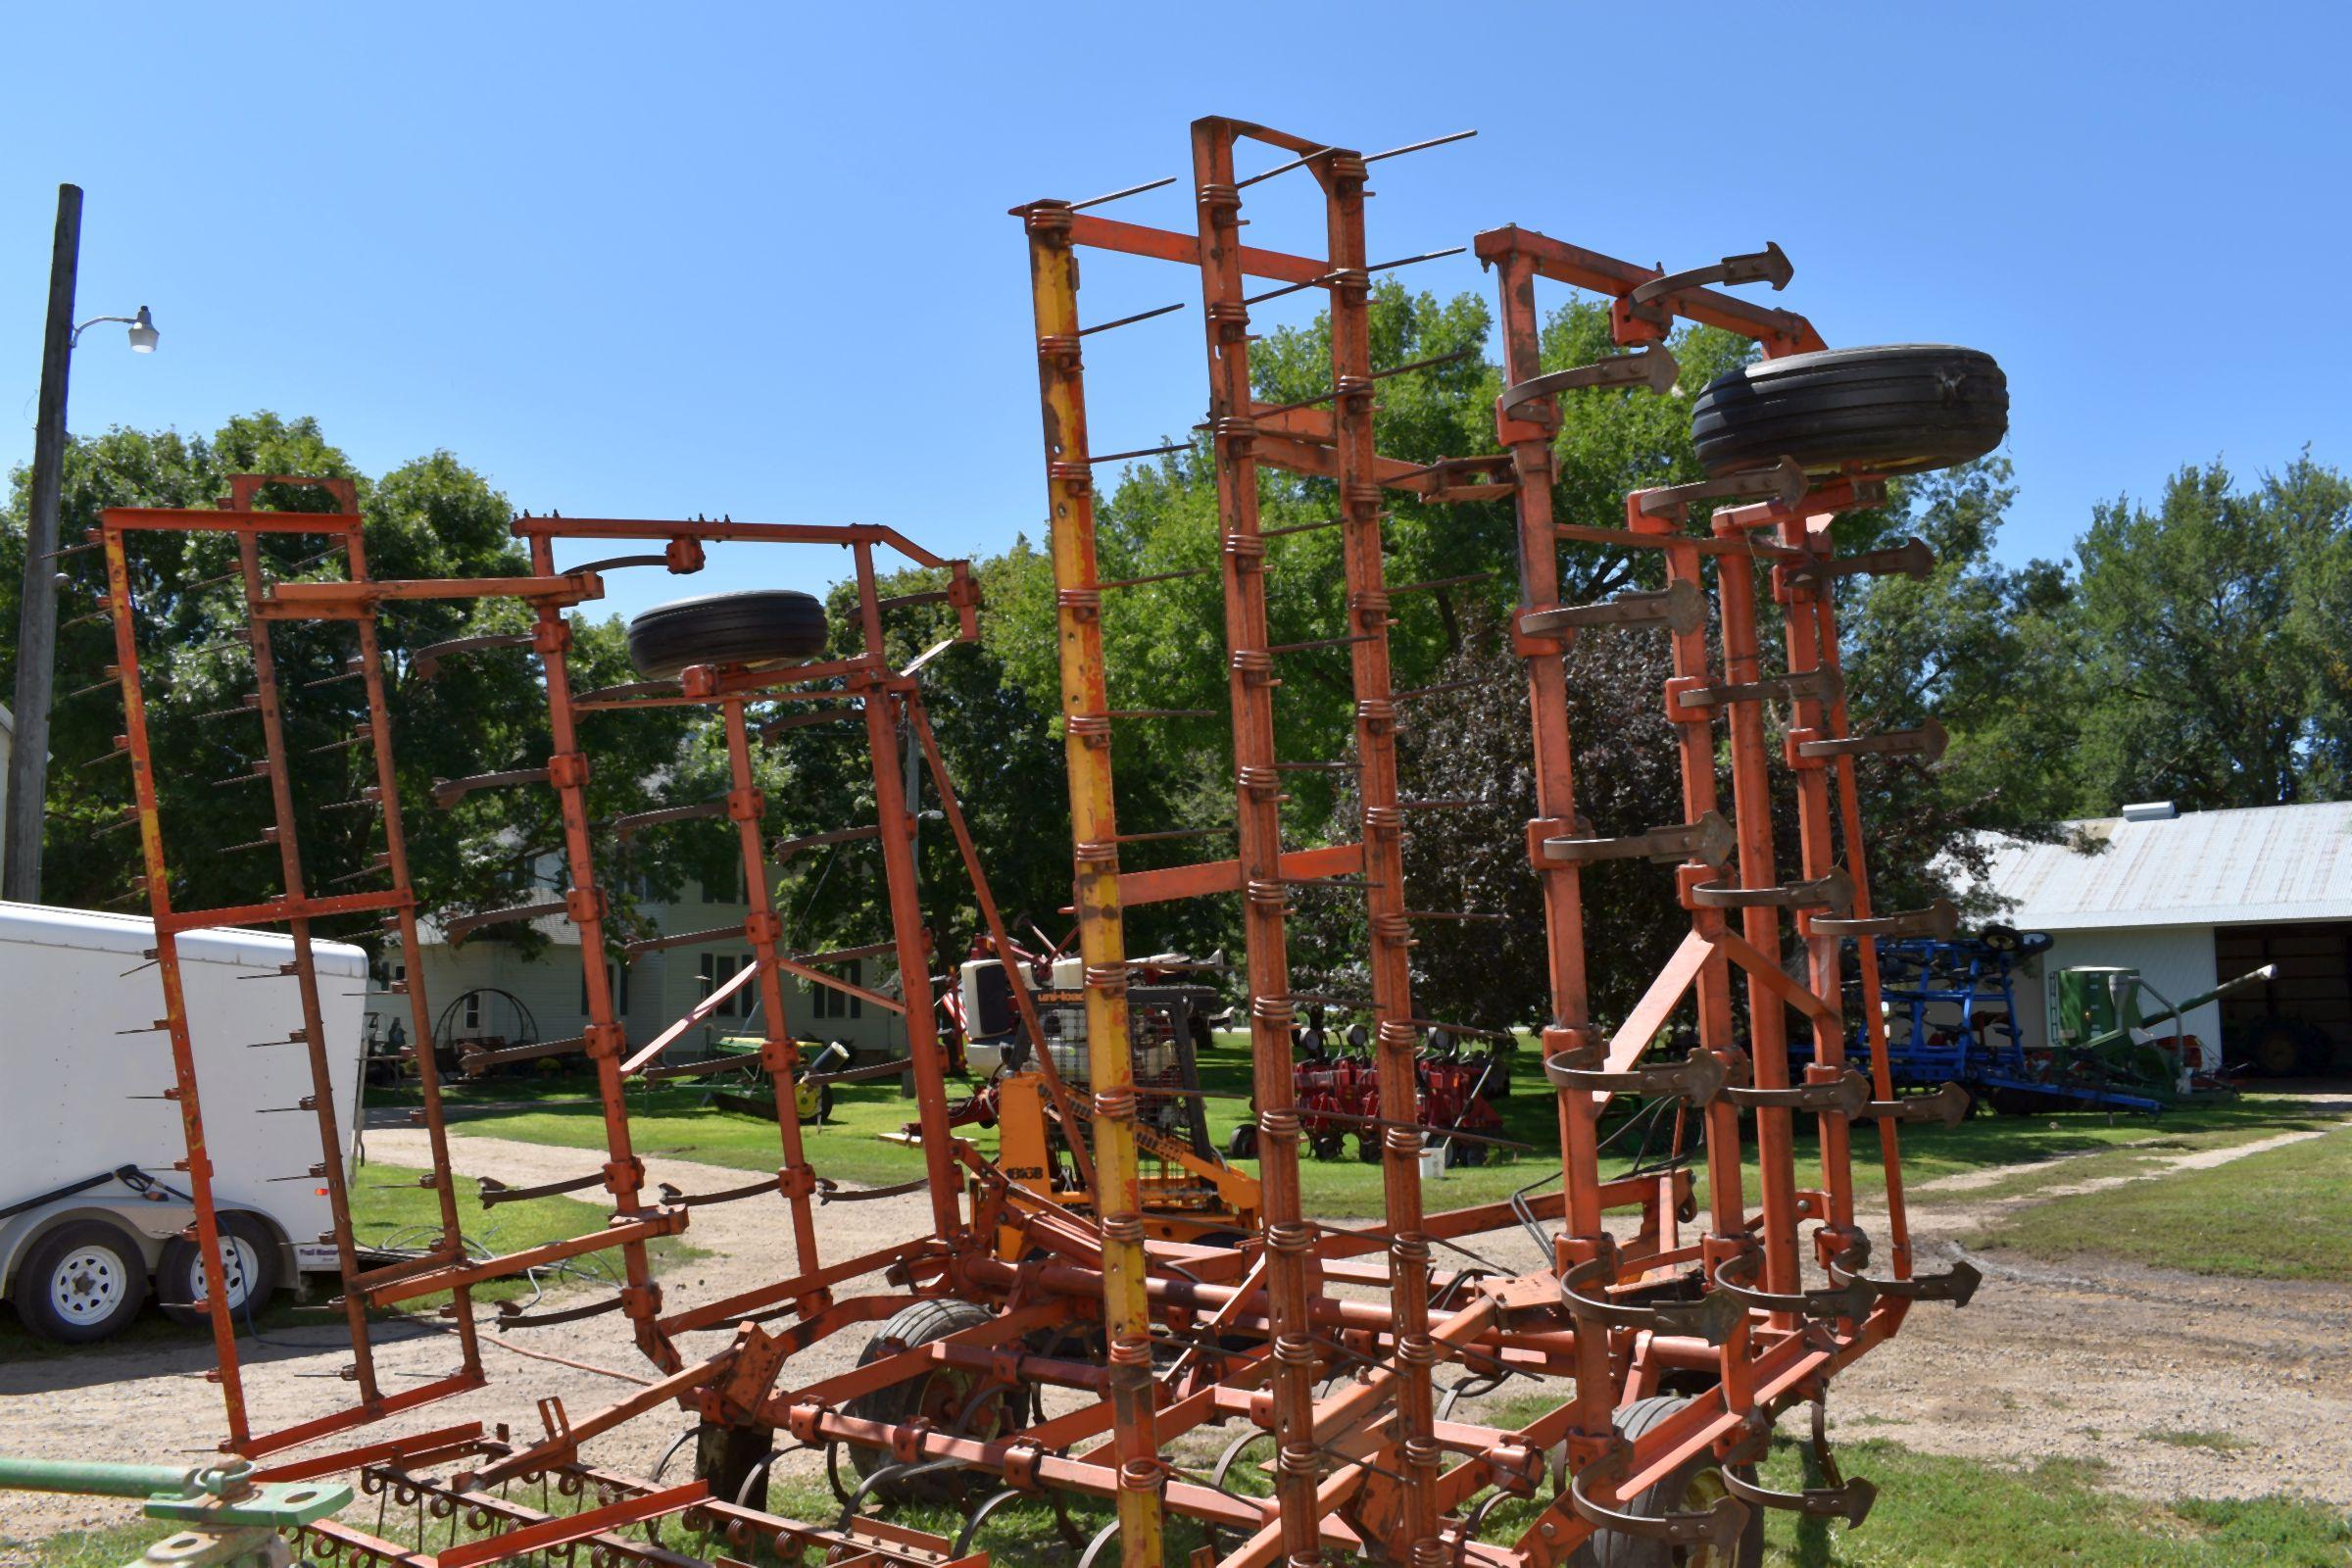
<point>144,334</point>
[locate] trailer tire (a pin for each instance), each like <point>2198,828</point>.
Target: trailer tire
<point>1901,408</point>
<point>761,626</point>
<point>251,1280</point>
<point>82,1283</point>
<point>1694,1485</point>
<point>939,1396</point>
<point>1243,1144</point>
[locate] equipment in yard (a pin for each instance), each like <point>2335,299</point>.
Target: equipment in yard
<point>1188,1190</point>
<point>2098,1036</point>
<point>94,1213</point>
<point>1339,1093</point>
<point>232,1519</point>
<point>1958,999</point>
<point>751,1092</point>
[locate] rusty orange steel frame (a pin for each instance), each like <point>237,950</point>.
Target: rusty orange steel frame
<point>1186,1337</point>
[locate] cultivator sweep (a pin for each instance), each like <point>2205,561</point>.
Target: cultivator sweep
<point>1081,1363</point>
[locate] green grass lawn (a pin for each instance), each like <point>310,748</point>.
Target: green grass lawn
<point>388,1207</point>
<point>2281,1214</point>
<point>1931,1514</point>
<point>677,1119</point>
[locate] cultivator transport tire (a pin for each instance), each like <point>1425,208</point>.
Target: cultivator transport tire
<point>941,1397</point>
<point>179,1279</point>
<point>82,1283</point>
<point>1898,409</point>
<point>1693,1488</point>
<point>760,627</point>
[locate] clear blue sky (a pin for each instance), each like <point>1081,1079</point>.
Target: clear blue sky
<point>661,259</point>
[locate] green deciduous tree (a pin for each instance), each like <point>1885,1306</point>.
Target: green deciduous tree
<point>2213,639</point>
<point>431,517</point>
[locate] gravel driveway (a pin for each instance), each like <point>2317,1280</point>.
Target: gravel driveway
<point>2087,1361</point>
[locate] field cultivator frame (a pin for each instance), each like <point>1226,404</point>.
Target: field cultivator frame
<point>1145,1341</point>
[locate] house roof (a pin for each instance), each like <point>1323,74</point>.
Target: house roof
<point>2256,864</point>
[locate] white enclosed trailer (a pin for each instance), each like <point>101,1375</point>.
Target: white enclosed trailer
<point>91,1208</point>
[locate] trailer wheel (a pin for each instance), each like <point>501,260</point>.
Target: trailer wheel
<point>1898,409</point>
<point>181,1281</point>
<point>1694,1487</point>
<point>764,626</point>
<point>82,1283</point>
<point>941,1397</point>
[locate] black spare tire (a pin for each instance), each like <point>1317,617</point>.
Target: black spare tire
<point>1902,408</point>
<point>762,626</point>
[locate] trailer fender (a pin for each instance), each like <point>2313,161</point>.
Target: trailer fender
<point>151,1225</point>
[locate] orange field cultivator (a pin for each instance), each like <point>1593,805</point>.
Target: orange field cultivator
<point>1085,1363</point>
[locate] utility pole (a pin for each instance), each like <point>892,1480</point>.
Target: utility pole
<point>37,633</point>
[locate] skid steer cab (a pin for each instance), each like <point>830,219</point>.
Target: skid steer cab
<point>1191,1193</point>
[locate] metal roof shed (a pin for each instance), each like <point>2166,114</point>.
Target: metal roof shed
<point>2194,897</point>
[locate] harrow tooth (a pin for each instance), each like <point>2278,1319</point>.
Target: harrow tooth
<point>1956,1285</point>
<point>1940,920</point>
<point>1927,743</point>
<point>1719,1528</point>
<point>1949,1105</point>
<point>1910,559</point>
<point>1850,1500</point>
<point>1834,890</point>
<point>1709,840</point>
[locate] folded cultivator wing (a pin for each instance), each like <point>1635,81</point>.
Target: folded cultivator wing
<point>1037,1350</point>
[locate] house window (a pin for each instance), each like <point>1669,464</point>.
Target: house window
<point>474,1011</point>
<point>832,1003</point>
<point>717,968</point>
<point>616,977</point>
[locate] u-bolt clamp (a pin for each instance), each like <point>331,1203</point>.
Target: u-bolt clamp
<point>1711,1317</point>
<point>1927,743</point>
<point>1652,369</point>
<point>1784,484</point>
<point>1678,608</point>
<point>1719,1527</point>
<point>1697,1078</point>
<point>1940,920</point>
<point>1849,1298</point>
<point>1847,1095</point>
<point>1709,840</point>
<point>1956,1285</point>
<point>1835,891</point>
